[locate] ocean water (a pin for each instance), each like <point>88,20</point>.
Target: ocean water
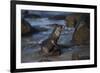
<point>44,21</point>
<point>30,45</point>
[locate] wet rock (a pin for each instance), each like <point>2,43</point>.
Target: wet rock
<point>25,27</point>
<point>72,19</point>
<point>45,60</point>
<point>57,17</point>
<point>82,52</point>
<point>84,58</point>
<point>81,34</point>
<point>75,56</point>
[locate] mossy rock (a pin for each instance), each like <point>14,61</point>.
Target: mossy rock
<point>72,19</point>
<point>82,34</point>
<point>25,27</point>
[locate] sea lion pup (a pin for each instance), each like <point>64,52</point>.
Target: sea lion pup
<point>49,46</point>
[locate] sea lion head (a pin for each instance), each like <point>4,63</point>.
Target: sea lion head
<point>59,29</point>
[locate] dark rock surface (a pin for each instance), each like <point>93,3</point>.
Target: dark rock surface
<point>81,34</point>
<point>25,27</point>
<point>72,19</point>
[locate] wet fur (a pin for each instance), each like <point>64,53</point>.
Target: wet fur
<point>49,46</point>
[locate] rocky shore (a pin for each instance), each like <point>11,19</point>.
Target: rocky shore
<point>74,44</point>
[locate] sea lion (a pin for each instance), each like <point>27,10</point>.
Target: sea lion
<point>49,46</point>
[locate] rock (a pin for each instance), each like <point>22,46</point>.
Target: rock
<point>83,52</point>
<point>57,17</point>
<point>44,60</point>
<point>82,31</point>
<point>82,34</point>
<point>25,27</point>
<point>72,19</point>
